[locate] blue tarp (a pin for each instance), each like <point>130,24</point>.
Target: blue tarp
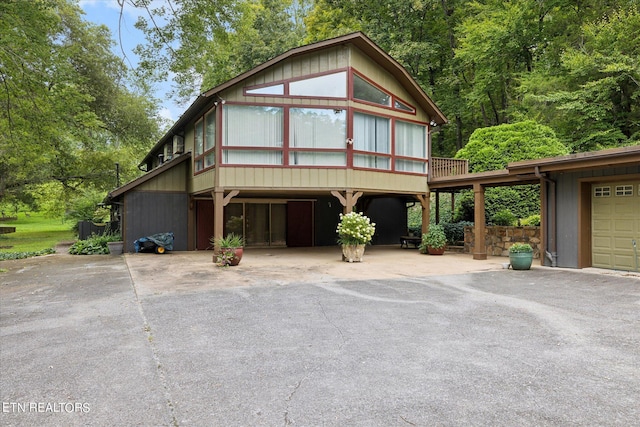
<point>164,240</point>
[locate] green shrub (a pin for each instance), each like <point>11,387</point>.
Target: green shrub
<point>455,231</point>
<point>94,245</point>
<point>435,238</point>
<point>532,221</point>
<point>518,248</point>
<point>20,255</point>
<point>504,217</point>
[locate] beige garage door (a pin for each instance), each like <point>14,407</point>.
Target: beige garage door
<point>615,209</point>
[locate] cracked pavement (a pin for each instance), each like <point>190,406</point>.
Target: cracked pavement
<point>258,347</point>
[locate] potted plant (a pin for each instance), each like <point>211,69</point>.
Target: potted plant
<point>114,243</point>
<point>354,231</point>
<point>231,249</point>
<point>520,256</point>
<point>434,241</point>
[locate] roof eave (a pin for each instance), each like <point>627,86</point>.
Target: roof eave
<point>147,176</point>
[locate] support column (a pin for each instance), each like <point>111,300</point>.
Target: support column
<point>425,202</point>
<point>437,207</point>
<point>453,205</point>
<point>218,217</point>
<point>479,247</point>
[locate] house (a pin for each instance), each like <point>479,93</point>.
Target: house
<point>590,205</point>
<point>278,152</point>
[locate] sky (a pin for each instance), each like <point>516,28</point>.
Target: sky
<point>107,12</point>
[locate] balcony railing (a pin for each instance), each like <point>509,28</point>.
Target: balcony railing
<point>441,167</point>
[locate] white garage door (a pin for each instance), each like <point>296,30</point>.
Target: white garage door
<point>615,216</point>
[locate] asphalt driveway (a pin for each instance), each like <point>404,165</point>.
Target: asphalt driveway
<point>101,340</point>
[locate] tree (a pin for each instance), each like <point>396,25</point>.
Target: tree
<point>66,114</point>
<point>206,43</point>
<point>493,148</point>
<point>593,97</point>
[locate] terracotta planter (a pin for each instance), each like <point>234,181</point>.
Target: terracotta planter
<point>436,251</point>
<point>352,253</point>
<point>237,255</point>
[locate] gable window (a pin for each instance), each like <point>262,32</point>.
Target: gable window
<point>326,86</point>
<point>371,137</point>
<point>267,90</point>
<point>399,105</point>
<point>252,135</point>
<point>313,133</point>
<point>410,142</point>
<point>365,91</point>
<point>205,142</point>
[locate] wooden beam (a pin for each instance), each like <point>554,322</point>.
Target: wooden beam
<point>230,196</point>
<point>340,197</point>
<point>479,247</point>
<point>218,217</point>
<point>349,200</point>
<point>425,202</point>
<point>355,197</point>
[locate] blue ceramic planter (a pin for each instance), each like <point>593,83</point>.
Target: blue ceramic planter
<point>521,260</point>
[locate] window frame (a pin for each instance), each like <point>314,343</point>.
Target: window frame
<point>392,113</point>
<point>201,158</point>
<point>392,97</point>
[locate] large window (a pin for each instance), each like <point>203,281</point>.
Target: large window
<point>253,135</point>
<point>205,142</point>
<point>314,131</point>
<point>371,134</point>
<point>329,85</point>
<point>410,142</point>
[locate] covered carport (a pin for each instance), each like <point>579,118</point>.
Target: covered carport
<point>589,205</point>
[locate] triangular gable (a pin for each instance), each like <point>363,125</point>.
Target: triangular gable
<point>131,185</point>
<point>357,39</point>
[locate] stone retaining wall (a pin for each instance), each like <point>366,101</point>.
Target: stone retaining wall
<point>498,239</point>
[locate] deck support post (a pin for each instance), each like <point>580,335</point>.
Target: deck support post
<point>479,247</point>
<point>425,202</point>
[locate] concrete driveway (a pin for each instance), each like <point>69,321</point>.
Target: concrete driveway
<point>172,340</point>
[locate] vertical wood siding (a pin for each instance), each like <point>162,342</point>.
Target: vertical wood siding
<point>268,178</point>
<point>149,213</point>
<point>175,179</point>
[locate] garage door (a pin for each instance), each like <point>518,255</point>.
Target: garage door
<point>615,209</point>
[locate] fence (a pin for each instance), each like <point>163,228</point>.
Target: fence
<point>87,228</point>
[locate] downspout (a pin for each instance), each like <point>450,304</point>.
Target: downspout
<point>553,245</point>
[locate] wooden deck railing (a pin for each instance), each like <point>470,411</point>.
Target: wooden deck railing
<point>441,167</point>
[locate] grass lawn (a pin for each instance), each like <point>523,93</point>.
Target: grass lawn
<point>35,233</point>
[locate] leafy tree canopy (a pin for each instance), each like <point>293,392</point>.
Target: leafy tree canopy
<point>494,147</point>
<point>69,109</point>
<point>204,43</point>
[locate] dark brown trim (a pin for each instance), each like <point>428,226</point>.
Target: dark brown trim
<point>614,157</point>
<point>524,172</point>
